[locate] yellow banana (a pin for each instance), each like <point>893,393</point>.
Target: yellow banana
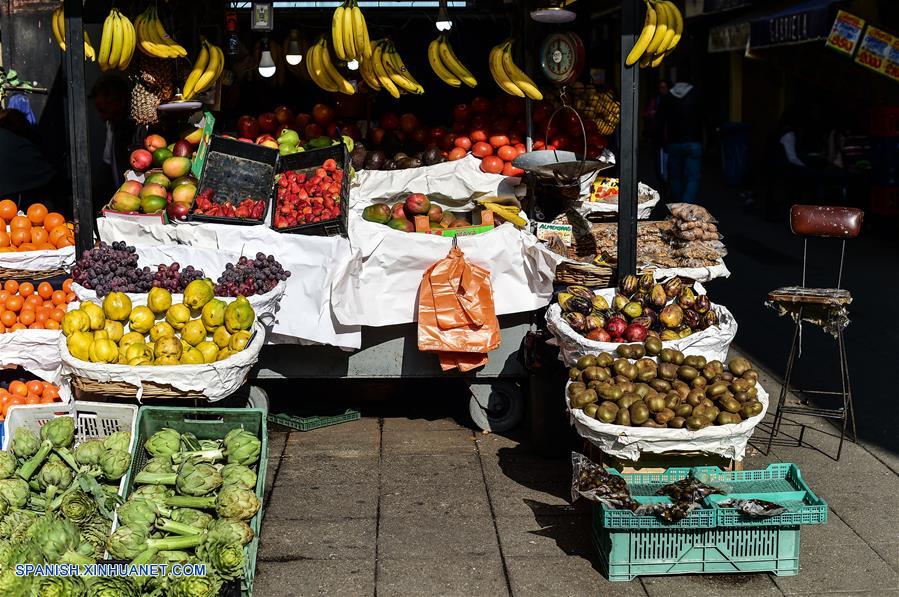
<point>128,44</point>
<point>377,61</point>
<point>89,53</point>
<point>517,76</point>
<point>197,71</point>
<point>510,214</point>
<point>165,38</point>
<point>150,43</point>
<point>349,43</point>
<point>499,74</point>
<point>678,23</point>
<point>646,35</point>
<point>56,24</point>
<point>454,64</point>
<point>400,69</point>
<point>669,34</point>
<point>115,54</point>
<point>106,41</point>
<point>368,75</point>
<point>366,47</point>
<point>358,32</point>
<point>343,86</point>
<point>438,67</point>
<point>337,33</point>
<point>210,74</point>
<point>660,32</point>
<point>221,62</point>
<point>317,70</point>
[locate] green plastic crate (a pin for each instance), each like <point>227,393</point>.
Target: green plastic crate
<point>209,423</point>
<point>627,553</point>
<point>781,483</point>
<point>316,422</point>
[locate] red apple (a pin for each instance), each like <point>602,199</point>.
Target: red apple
<point>268,122</point>
<point>248,127</point>
<point>480,105</point>
<point>635,333</point>
<point>312,131</point>
<point>322,114</point>
<point>182,149</point>
<point>461,113</point>
<point>599,335</point>
<point>284,115</point>
<point>389,121</point>
<point>154,142</point>
<point>141,159</point>
<point>301,121</point>
<point>408,123</point>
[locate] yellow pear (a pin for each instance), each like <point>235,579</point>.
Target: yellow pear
<point>142,319</point>
<point>209,350</point>
<point>79,344</point>
<point>178,315</point>
<point>161,330</point>
<point>192,356</point>
<point>159,300</point>
<point>221,336</point>
<point>75,321</point>
<point>103,351</point>
<point>117,306</point>
<point>95,314</point>
<point>193,332</point>
<point>239,340</point>
<point>114,330</point>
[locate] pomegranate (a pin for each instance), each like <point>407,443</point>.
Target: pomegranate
<point>616,326</point>
<point>635,333</point>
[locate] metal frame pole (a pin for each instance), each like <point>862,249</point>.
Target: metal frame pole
<point>627,186</point>
<point>79,144</point>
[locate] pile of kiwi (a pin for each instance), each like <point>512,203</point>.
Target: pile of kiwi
<point>672,391</point>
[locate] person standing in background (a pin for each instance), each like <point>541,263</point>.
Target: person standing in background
<point>112,97</point>
<point>681,119</point>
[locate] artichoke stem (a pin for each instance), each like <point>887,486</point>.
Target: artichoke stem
<point>201,454</point>
<point>175,543</point>
<point>73,557</point>
<point>180,501</point>
<point>171,526</point>
<point>143,478</point>
<point>27,470</point>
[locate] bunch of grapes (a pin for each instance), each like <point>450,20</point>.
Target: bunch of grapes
<point>174,279</point>
<point>112,268</point>
<point>250,276</point>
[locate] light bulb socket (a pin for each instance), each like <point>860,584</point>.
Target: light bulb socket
<point>443,23</point>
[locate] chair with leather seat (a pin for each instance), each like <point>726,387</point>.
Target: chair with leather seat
<point>825,307</point>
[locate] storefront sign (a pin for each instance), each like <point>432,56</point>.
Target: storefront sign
<point>874,50</point>
<point>847,30</point>
<point>803,23</point>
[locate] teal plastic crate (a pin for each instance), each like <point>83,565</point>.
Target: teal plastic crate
<point>209,423</point>
<point>781,483</point>
<point>627,553</point>
<point>315,422</point>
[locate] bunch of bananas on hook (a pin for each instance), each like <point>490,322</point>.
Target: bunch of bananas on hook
<point>662,31</point>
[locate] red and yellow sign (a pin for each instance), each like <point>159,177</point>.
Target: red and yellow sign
<point>847,30</point>
<point>874,51</point>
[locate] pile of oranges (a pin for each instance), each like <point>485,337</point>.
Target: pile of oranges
<point>22,306</point>
<point>39,229</point>
<point>27,392</point>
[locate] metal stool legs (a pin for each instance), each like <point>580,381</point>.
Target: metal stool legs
<point>846,414</point>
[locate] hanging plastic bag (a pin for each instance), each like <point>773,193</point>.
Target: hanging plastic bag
<point>456,316</point>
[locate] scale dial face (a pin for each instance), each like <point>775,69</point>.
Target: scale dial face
<point>562,57</point>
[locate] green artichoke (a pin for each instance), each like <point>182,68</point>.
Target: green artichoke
<point>189,442</point>
<point>231,435</point>
<point>243,448</point>
<point>78,507</point>
<point>15,491</point>
<point>114,463</point>
<point>88,453</point>
<point>60,540</point>
<point>166,525</point>
<point>210,444</point>
<point>127,543</point>
<point>195,518</point>
<point>238,474</point>
<point>4,507</point>
<point>116,586</point>
<point>150,492</point>
<point>229,531</point>
<point>195,586</point>
<point>95,532</point>
<point>138,514</point>
<point>58,586</point>
<point>159,465</point>
<point>24,443</point>
<point>164,442</point>
<point>10,584</point>
<point>59,431</point>
<point>237,503</point>
<point>8,464</point>
<point>197,479</point>
<point>16,523</point>
<point>120,440</point>
<point>54,476</point>
<point>226,558</point>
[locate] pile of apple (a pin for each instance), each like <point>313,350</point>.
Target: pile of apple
<point>168,185</point>
<point>308,196</point>
<point>289,133</point>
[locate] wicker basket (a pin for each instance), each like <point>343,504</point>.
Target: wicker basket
<point>585,274</point>
<point>119,390</point>
<point>24,274</point>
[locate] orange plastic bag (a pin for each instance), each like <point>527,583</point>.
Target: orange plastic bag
<point>456,317</point>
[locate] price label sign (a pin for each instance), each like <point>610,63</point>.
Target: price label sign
<point>874,50</point>
<point>892,66</point>
<point>847,30</point>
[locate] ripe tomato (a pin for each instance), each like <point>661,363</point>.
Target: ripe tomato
<point>457,153</point>
<point>408,122</point>
<point>480,105</point>
<point>492,165</point>
<point>510,170</point>
<point>478,135</point>
<point>461,113</point>
<point>482,150</point>
<point>538,145</point>
<point>463,142</point>
<point>322,114</point>
<point>447,142</point>
<point>499,141</point>
<point>507,153</point>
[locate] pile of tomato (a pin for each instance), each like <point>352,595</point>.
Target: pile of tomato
<point>24,306</point>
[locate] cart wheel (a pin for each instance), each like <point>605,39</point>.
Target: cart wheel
<point>258,398</point>
<point>497,406</point>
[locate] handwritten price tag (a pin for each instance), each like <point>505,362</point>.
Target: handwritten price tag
<point>847,30</point>
<point>875,48</point>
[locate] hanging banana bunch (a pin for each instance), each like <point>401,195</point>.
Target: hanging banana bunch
<point>206,70</point>
<point>323,72</point>
<point>152,38</point>
<point>390,71</point>
<point>349,33</point>
<point>662,31</point>
<point>447,66</point>
<point>508,76</point>
<point>117,43</point>
<point>58,26</point>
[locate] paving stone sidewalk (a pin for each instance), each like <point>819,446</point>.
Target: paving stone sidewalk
<point>393,506</point>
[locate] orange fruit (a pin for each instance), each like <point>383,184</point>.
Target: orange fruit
<point>24,247</point>
<point>26,289</point>
<point>34,300</point>
<point>8,209</point>
<point>7,249</point>
<point>4,238</point>
<point>11,286</point>
<point>42,315</point>
<point>59,297</point>
<point>51,392</point>
<point>36,213</point>
<point>32,399</point>
<point>20,222</point>
<point>57,314</point>
<point>14,303</point>
<point>8,318</point>
<point>53,220</point>
<point>26,317</point>
<point>3,296</point>
<point>19,236</point>
<point>57,233</point>
<point>50,324</point>
<point>36,326</point>
<point>65,241</point>
<point>67,285</point>
<point>35,386</point>
<point>45,290</point>
<point>70,297</point>
<point>18,326</point>
<point>39,235</point>
<point>18,387</point>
